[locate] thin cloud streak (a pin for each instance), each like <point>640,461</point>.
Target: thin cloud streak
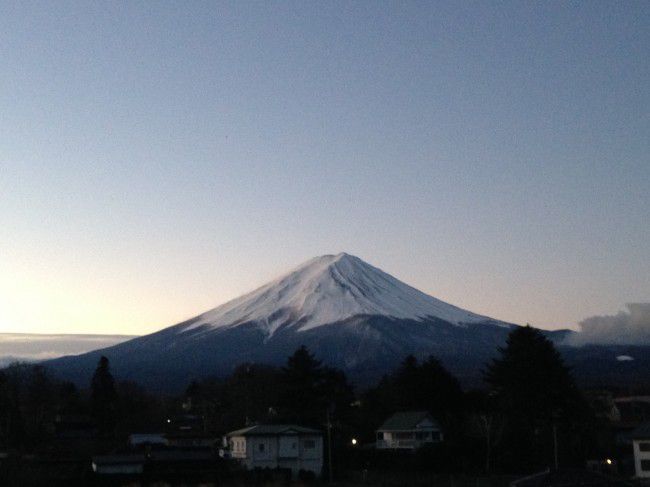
<point>35,347</point>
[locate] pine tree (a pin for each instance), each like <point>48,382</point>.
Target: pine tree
<point>300,399</point>
<point>536,393</point>
<point>103,397</point>
<point>309,389</point>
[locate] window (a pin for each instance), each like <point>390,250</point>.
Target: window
<point>644,446</point>
<point>260,447</point>
<point>310,444</point>
<point>380,435</point>
<point>645,465</point>
<point>294,445</point>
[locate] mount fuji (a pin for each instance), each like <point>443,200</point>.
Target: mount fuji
<point>326,290</point>
<point>350,314</point>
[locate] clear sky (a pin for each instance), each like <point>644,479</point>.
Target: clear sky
<point>160,158</point>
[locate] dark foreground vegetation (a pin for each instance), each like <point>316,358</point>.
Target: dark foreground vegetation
<point>529,416</point>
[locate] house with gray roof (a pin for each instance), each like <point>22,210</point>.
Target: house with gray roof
<point>408,430</point>
<point>286,446</point>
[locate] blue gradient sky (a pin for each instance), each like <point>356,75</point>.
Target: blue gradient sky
<point>159,158</point>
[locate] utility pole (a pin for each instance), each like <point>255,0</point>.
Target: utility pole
<point>329,447</point>
<point>555,444</point>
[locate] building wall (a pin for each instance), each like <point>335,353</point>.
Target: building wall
<point>238,446</point>
<point>138,439</point>
<point>117,469</point>
<point>642,458</point>
<point>278,451</point>
<point>408,439</point>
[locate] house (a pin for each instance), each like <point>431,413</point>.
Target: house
<point>641,448</point>
<point>408,430</point>
<point>283,446</point>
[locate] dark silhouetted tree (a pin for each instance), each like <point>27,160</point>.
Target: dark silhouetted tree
<point>301,399</point>
<point>5,411</point>
<point>252,394</point>
<point>426,386</point>
<point>309,390</point>
<point>534,390</point>
<point>103,397</point>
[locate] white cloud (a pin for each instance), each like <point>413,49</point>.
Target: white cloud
<point>631,327</point>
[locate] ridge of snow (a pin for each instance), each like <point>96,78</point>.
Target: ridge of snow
<point>329,289</point>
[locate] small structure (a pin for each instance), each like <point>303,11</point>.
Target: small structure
<point>126,464</point>
<point>147,439</point>
<point>408,430</point>
<point>158,464</point>
<point>284,446</point>
<point>641,446</point>
<point>192,440</point>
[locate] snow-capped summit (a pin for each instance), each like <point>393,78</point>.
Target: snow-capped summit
<point>329,289</point>
<point>349,313</point>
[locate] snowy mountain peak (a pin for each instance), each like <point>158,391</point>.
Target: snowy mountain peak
<point>329,289</point>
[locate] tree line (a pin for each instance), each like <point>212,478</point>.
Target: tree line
<point>529,412</point>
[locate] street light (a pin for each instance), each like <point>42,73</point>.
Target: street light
<point>608,461</point>
<point>354,441</point>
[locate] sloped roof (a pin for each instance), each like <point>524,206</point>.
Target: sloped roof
<point>406,420</point>
<point>642,432</point>
<point>273,430</point>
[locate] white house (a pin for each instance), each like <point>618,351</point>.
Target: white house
<point>641,445</point>
<point>278,446</point>
<point>408,430</point>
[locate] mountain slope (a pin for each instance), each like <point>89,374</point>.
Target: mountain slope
<point>329,289</point>
<point>351,314</point>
